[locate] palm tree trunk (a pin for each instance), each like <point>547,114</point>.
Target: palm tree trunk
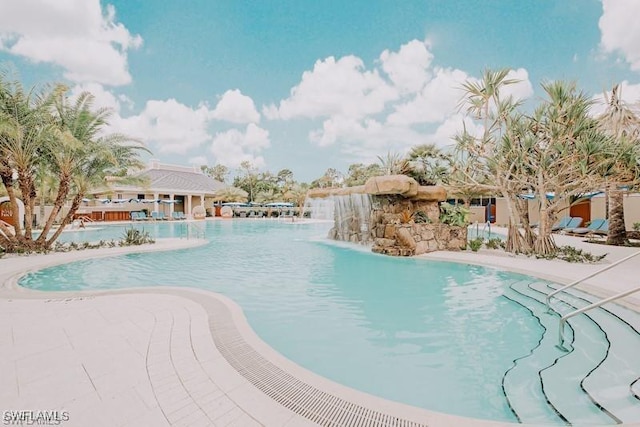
<point>75,204</point>
<point>617,230</point>
<point>63,190</point>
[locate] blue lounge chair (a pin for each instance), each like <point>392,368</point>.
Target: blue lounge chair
<point>593,226</point>
<point>562,224</point>
<point>574,222</point>
<point>604,228</point>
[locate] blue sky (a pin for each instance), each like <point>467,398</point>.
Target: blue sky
<point>308,85</point>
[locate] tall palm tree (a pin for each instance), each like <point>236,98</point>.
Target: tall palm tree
<point>82,155</point>
<point>622,123</point>
<point>25,127</point>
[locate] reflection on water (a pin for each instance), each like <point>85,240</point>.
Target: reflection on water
<point>431,334</point>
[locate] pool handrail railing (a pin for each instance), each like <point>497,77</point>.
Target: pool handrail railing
<point>582,279</point>
<point>566,317</point>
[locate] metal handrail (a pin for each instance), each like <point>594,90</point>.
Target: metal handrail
<point>577,282</point>
<point>564,318</point>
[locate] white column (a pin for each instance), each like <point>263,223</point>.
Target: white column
<point>188,212</point>
<point>202,200</point>
<point>171,209</point>
<point>156,205</point>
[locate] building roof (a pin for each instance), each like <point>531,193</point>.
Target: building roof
<point>175,179</point>
<point>181,181</point>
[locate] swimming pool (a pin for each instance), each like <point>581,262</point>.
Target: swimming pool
<point>430,334</point>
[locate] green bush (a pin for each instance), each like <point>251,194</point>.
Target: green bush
<point>494,243</point>
<point>571,254</point>
<point>476,244</point>
<point>456,215</point>
<point>133,237</point>
<point>636,226</point>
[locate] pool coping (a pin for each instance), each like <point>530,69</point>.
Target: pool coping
<point>393,413</point>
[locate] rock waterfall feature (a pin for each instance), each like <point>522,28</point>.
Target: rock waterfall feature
<point>393,214</point>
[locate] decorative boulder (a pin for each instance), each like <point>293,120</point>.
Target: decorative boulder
<point>391,184</point>
<point>431,193</point>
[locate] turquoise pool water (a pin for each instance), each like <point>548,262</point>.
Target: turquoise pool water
<point>431,334</point>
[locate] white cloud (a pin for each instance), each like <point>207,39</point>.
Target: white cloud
<point>198,160</point>
<point>235,107</point>
<point>233,146</point>
<point>76,35</point>
<point>408,69</point>
<point>619,30</point>
<point>168,126</point>
<point>103,98</point>
<point>453,125</point>
<point>341,87</point>
<point>437,100</point>
<point>523,89</point>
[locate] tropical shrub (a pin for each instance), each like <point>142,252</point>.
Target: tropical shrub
<point>494,243</point>
<point>571,254</point>
<point>133,237</point>
<point>456,215</point>
<point>476,244</point>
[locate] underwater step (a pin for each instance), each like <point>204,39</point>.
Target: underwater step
<point>609,383</point>
<point>522,384</point>
<point>562,381</point>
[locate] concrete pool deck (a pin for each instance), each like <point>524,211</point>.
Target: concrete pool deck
<point>173,356</point>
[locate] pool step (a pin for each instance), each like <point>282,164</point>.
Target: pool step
<point>561,378</point>
<point>521,383</point>
<point>609,382</point>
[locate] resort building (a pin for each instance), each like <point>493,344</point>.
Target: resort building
<point>166,190</point>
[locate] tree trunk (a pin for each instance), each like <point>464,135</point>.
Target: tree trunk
<point>63,191</point>
<point>25,181</point>
<point>617,230</point>
<point>522,205</point>
<point>75,204</point>
<point>516,242</point>
<point>544,243</point>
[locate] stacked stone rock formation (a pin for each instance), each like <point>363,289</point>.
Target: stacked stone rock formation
<point>392,226</point>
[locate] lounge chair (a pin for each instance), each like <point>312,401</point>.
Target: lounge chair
<point>593,226</point>
<point>562,224</point>
<point>177,215</point>
<point>604,228</point>
<point>574,222</point>
<point>155,215</point>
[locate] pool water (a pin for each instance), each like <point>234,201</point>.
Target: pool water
<point>431,334</point>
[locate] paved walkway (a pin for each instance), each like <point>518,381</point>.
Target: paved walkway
<point>153,357</point>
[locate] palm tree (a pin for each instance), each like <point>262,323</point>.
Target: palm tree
<point>82,156</point>
<point>230,194</point>
<point>622,123</point>
<point>25,127</point>
<point>297,195</point>
<point>394,164</point>
<point>427,164</point>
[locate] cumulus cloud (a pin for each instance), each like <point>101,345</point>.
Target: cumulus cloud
<point>235,107</point>
<point>77,35</point>
<point>233,146</point>
<point>167,126</point>
<point>103,98</point>
<point>403,100</point>
<point>619,31</point>
<point>408,68</point>
<point>520,90</point>
<point>438,99</point>
<point>335,87</point>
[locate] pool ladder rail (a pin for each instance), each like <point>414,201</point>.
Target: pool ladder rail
<point>563,319</point>
<point>599,381</point>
